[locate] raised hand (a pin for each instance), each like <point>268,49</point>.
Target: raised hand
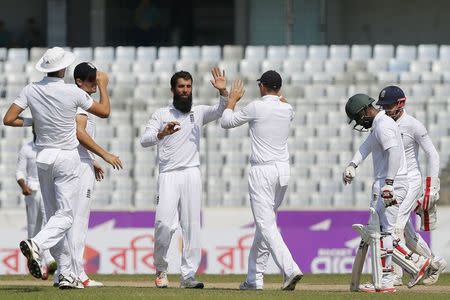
<point>237,91</point>
<point>219,80</point>
<point>102,78</point>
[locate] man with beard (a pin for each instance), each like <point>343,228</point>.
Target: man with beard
<point>176,130</point>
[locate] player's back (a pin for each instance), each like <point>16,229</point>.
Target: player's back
<point>269,130</point>
<point>53,105</point>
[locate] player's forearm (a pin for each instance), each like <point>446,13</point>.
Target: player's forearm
<point>150,138</point>
<point>104,101</point>
<point>357,159</point>
<point>231,104</point>
<point>215,112</point>
<point>394,158</point>
<point>87,142</point>
<point>432,155</point>
<point>229,119</point>
<point>18,122</point>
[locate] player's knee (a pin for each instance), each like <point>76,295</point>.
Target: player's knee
<point>67,215</point>
<point>160,225</point>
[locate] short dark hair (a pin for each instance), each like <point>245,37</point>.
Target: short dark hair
<point>181,74</point>
<point>54,74</point>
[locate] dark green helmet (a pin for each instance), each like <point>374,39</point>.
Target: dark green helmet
<point>353,109</point>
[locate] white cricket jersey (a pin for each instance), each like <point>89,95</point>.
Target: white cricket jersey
<point>53,105</point>
<point>414,134</point>
<point>181,149</point>
<point>26,165</point>
<point>269,121</point>
<point>90,130</point>
<point>383,135</point>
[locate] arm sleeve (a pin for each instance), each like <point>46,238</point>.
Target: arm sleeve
<point>424,141</point>
<point>149,138</point>
<point>231,119</point>
<point>81,111</point>
<point>364,150</point>
<point>21,167</point>
<point>21,100</point>
<point>214,112</point>
<point>387,137</point>
<point>84,100</point>
<point>394,158</point>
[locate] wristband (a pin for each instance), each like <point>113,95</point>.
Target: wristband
<point>389,181</point>
<point>353,165</point>
<point>27,122</point>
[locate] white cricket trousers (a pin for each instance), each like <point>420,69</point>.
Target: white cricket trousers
<point>35,213</point>
<point>266,195</point>
<point>180,193</point>
<point>388,215</point>
<point>60,188</point>
<point>404,221</point>
<point>36,218</point>
<point>82,209</point>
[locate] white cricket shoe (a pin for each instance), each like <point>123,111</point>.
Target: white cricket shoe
<point>191,283</point>
<point>247,286</point>
<point>370,288</point>
<point>69,282</point>
<point>398,280</point>
<point>161,280</point>
<point>291,281</point>
<point>89,283</point>
<point>422,271</point>
<point>31,251</point>
<point>437,267</point>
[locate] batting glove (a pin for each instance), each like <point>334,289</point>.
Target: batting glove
<point>349,174</point>
<point>387,193</point>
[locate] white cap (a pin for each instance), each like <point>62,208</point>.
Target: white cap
<point>55,59</point>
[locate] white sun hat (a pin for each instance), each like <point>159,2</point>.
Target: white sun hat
<point>55,59</point>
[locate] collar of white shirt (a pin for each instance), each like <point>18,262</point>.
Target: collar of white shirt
<point>377,117</point>
<point>270,97</point>
<point>52,79</point>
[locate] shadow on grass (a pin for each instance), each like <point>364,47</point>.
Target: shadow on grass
<point>20,289</point>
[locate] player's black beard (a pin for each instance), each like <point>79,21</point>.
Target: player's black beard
<point>182,104</point>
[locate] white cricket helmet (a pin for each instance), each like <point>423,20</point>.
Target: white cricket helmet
<point>55,59</point>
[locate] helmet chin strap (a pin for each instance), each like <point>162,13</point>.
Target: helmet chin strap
<point>360,128</point>
<point>365,124</point>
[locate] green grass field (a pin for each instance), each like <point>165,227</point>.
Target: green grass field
<point>216,287</point>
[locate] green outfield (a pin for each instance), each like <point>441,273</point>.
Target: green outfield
<point>216,287</point>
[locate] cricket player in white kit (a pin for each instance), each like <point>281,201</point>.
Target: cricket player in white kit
<point>414,135</point>
<point>269,121</point>
<point>53,105</point>
<point>176,130</point>
<point>85,75</point>
<point>390,172</point>
<point>27,178</point>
